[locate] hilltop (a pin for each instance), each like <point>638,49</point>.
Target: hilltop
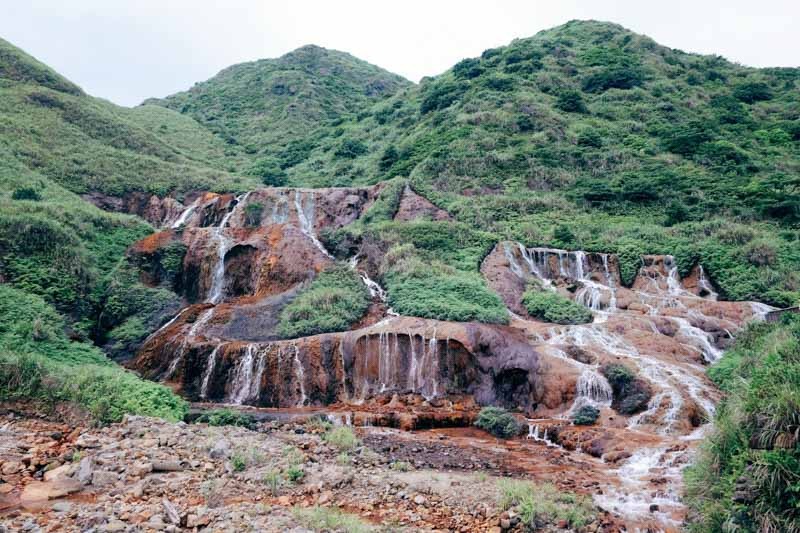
<point>271,108</point>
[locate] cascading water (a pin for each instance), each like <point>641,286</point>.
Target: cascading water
<point>592,389</point>
<point>209,371</point>
<point>706,290</point>
<point>305,215</point>
<point>550,264</point>
<point>241,385</point>
<point>215,293</point>
<point>536,433</point>
<point>186,213</point>
<point>201,321</point>
<point>300,375</point>
<point>374,288</point>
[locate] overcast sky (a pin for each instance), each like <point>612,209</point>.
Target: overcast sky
<point>127,51</point>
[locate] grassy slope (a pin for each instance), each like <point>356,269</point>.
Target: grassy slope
<point>747,477</point>
<point>87,144</point>
<point>274,107</point>
<point>61,258</point>
<point>682,162</point>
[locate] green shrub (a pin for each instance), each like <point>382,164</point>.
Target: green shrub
<point>440,95</point>
<point>26,193</point>
<point>552,307</point>
<point>746,475</point>
<point>333,302</point>
<point>350,149</point>
<point>613,78</point>
<point>585,415</point>
<point>542,505</point>
<point>570,101</point>
<point>444,295</point>
<point>498,422</point>
<point>295,473</point>
<point>227,417</point>
<point>752,92</point>
<point>270,171</point>
<point>342,438</point>
<point>238,462</point>
<point>631,394</point>
<point>273,481</point>
<point>252,213</point>
<point>324,519</point>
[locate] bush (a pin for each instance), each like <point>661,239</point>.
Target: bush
<point>613,78</point>
<point>238,462</point>
<point>746,475</point>
<point>585,415</point>
<point>342,438</point>
<point>542,505</point>
<point>26,193</point>
<point>227,417</point>
<point>631,394</point>
<point>752,92</point>
<point>270,171</point>
<point>468,68</point>
<point>570,101</point>
<point>350,149</point>
<point>333,302</point>
<point>106,391</point>
<point>273,481</point>
<point>498,422</point>
<point>295,473</point>
<point>252,214</point>
<point>440,95</point>
<point>552,307</point>
<point>443,294</point>
<point>323,519</point>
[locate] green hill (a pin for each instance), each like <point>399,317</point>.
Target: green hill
<point>590,136</point>
<point>268,110</point>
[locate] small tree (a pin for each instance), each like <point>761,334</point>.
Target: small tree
<point>498,422</point>
<point>26,193</point>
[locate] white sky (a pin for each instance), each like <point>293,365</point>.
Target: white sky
<point>126,51</point>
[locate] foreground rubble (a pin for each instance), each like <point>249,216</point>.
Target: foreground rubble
<point>146,474</point>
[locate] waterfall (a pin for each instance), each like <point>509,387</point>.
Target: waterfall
<point>760,310</point>
<point>186,213</point>
<point>698,339</point>
<point>242,377</point>
<point>215,293</point>
<point>280,210</point>
<point>570,265</point>
<point>198,323</point>
<point>344,370</point>
<point>210,364</point>
<point>535,433</point>
<point>305,215</point>
<point>374,288</point>
<point>592,389</point>
<point>165,326</point>
<point>705,285</point>
<point>300,375</point>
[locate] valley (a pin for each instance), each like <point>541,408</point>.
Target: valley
<point>527,294</point>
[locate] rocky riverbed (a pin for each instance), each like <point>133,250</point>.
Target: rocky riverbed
<point>146,474</point>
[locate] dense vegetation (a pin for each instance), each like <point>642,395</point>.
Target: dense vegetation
<point>498,422</point>
<point>747,477</point>
<point>274,112</point>
<point>38,361</point>
<point>552,307</point>
<point>590,136</point>
<point>333,301</point>
<point>542,504</point>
